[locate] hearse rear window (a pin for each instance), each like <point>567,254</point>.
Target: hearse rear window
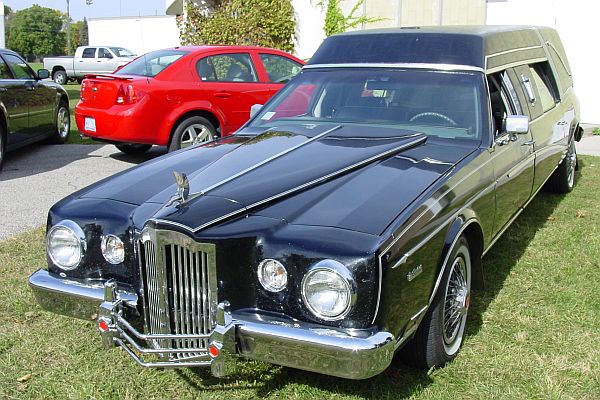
<point>444,104</point>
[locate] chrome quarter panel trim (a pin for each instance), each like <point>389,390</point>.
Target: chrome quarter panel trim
<point>72,297</point>
<point>439,67</point>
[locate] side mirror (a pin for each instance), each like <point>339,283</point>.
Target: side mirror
<point>255,109</point>
<point>517,124</point>
<point>43,73</point>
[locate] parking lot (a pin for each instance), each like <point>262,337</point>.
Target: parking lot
<point>35,177</point>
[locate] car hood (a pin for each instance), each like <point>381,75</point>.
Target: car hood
<point>313,174</point>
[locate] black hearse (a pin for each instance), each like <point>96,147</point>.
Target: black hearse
<point>346,220</point>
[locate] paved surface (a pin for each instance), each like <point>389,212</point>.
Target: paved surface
<point>37,176</point>
<point>589,143</point>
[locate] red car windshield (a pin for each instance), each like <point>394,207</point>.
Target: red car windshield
<point>152,64</point>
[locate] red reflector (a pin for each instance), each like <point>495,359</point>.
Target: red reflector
<point>213,351</point>
<point>103,326</point>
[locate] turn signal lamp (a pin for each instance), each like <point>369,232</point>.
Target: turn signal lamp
<point>213,351</point>
<point>103,325</point>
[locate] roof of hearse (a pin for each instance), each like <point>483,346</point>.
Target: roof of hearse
<point>485,46</point>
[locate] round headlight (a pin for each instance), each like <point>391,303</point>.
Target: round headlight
<point>272,275</point>
<point>328,290</point>
<point>113,249</point>
<point>65,244</point>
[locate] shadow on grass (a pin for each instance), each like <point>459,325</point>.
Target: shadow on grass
<point>398,381</point>
<point>503,256</point>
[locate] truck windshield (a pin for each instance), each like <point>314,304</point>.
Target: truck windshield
<point>121,52</point>
<point>436,103</point>
<point>151,64</point>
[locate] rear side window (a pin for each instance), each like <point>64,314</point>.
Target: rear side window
<point>544,93</point>
<point>4,71</point>
<point>227,68</point>
<point>89,52</point>
<point>19,67</point>
<point>104,53</point>
<point>279,69</point>
<point>151,64</point>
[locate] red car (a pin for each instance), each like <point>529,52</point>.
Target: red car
<point>181,96</point>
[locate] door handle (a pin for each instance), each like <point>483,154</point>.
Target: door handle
<point>561,123</point>
<point>528,143</point>
<point>223,95</point>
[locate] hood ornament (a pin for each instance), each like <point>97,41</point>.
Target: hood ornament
<point>183,191</point>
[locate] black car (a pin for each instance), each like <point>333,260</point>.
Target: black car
<point>345,221</point>
<point>31,109</point>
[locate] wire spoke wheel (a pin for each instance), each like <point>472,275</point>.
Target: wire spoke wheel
<point>456,304</point>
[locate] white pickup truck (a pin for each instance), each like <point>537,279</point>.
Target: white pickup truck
<point>87,60</point>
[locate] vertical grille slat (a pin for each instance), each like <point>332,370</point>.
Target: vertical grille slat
<point>177,274</point>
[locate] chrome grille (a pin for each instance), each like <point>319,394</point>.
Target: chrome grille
<point>180,290</point>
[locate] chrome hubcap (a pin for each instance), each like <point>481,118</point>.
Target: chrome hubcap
<point>63,122</point>
<point>195,134</point>
<point>571,161</point>
<point>456,305</point>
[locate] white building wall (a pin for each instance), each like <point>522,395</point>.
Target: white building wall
<point>138,34</point>
<point>575,21</point>
<point>310,20</point>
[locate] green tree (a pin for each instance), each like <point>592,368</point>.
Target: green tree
<point>268,23</point>
<point>337,22</point>
<point>85,36</point>
<point>36,32</point>
<point>8,14</point>
<point>78,35</point>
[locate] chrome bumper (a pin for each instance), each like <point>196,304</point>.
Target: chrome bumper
<point>274,338</point>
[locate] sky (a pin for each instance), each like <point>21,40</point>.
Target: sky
<point>98,8</point>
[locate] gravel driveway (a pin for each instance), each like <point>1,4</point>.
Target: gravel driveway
<point>35,177</point>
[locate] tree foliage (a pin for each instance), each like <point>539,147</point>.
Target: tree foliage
<point>36,32</point>
<point>337,22</point>
<point>268,23</point>
<point>79,35</point>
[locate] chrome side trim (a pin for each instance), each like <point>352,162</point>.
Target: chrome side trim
<point>515,64</point>
<point>440,67</point>
<point>266,161</point>
<point>501,53</point>
<point>509,223</point>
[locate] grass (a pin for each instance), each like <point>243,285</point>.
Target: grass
<point>534,333</point>
<point>596,132</point>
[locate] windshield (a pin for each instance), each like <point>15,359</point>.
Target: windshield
<point>436,103</point>
<point>151,64</point>
<point>121,52</point>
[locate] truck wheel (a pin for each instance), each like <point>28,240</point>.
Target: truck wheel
<point>440,335</point>
<point>133,148</point>
<point>192,131</point>
<point>63,123</point>
<point>59,77</point>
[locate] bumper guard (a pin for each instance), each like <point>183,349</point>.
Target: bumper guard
<point>252,334</point>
